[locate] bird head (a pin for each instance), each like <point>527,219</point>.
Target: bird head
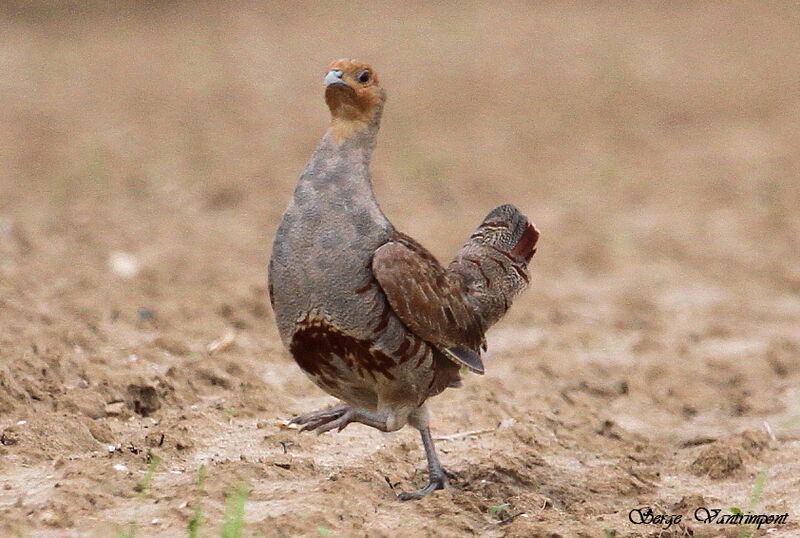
<point>354,97</point>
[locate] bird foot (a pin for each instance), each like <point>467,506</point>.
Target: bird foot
<point>315,419</point>
<point>337,418</point>
<point>437,473</point>
<point>437,481</point>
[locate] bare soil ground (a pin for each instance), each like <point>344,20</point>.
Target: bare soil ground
<point>148,150</point>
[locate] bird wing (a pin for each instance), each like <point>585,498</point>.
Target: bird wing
<point>431,301</point>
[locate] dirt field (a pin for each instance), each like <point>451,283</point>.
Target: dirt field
<point>146,155</point>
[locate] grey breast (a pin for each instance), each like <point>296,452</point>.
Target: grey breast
<point>322,254</point>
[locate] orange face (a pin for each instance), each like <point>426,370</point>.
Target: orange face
<point>352,92</point>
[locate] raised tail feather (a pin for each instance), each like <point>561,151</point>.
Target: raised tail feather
<point>507,229</point>
<point>453,307</point>
<point>494,262</point>
<point>526,246</point>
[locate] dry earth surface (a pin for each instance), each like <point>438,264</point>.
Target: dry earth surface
<point>147,151</point>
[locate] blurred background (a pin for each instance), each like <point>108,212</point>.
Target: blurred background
<point>661,134</point>
<point>148,149</point>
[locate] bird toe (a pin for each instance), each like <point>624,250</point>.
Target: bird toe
<point>312,420</point>
<point>338,424</point>
<point>436,483</point>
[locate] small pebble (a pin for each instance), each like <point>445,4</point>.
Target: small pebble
<point>123,264</point>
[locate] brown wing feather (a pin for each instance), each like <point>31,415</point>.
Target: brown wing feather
<point>430,301</point>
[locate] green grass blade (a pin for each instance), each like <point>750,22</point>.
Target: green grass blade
<point>196,521</point>
<point>234,513</point>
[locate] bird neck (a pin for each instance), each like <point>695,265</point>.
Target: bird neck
<point>356,131</point>
<point>352,142</point>
<point>342,160</point>
<point>337,179</point>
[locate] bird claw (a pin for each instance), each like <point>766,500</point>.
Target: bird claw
<point>316,419</point>
<point>449,474</point>
<point>337,424</point>
<point>436,482</point>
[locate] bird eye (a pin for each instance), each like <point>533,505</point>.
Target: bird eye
<point>363,77</point>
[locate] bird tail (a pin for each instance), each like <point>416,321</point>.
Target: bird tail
<point>494,262</point>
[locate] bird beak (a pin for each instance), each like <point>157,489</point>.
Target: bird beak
<point>334,78</point>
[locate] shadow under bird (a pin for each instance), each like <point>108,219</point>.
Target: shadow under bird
<point>367,312</point>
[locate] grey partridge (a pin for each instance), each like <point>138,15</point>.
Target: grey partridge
<point>367,312</point>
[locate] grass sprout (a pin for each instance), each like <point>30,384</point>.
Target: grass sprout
<point>234,512</point>
<point>495,510</point>
<point>144,485</point>
<point>197,512</point>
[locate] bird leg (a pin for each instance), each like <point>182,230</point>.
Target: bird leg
<point>437,474</point>
<point>339,417</point>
